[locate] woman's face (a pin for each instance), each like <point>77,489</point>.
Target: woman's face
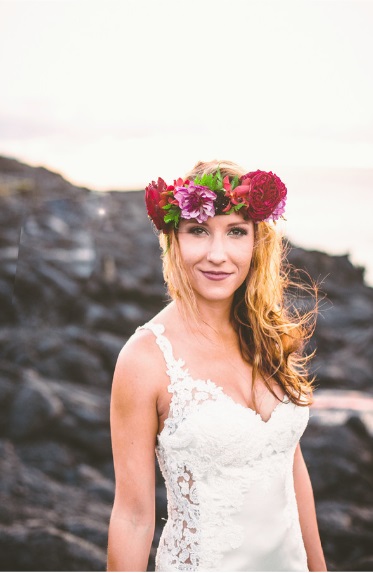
<point>216,254</point>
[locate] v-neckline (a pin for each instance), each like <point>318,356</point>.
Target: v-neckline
<point>251,410</point>
<point>181,365</point>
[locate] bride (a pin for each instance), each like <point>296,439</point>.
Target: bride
<point>216,386</point>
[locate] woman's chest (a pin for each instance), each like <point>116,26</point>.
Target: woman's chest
<point>230,381</point>
<point>204,423</point>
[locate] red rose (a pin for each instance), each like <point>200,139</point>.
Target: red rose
<point>155,194</point>
<point>266,197</point>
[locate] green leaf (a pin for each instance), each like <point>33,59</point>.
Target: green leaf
<point>208,180</point>
<point>173,216</point>
<point>212,181</point>
<point>239,206</point>
<point>219,178</point>
<point>235,182</point>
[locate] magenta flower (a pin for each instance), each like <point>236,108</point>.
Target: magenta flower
<point>195,202</point>
<point>278,211</point>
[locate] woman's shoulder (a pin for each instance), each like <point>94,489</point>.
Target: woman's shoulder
<point>139,372</point>
<point>141,352</point>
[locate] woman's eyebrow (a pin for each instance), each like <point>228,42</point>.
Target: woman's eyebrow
<point>194,222</point>
<point>205,223</point>
<point>238,223</point>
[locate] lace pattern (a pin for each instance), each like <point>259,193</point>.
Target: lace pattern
<point>212,452</point>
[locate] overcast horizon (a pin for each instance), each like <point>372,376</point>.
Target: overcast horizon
<point>114,93</point>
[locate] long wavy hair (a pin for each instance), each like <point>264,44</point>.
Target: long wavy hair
<point>272,332</point>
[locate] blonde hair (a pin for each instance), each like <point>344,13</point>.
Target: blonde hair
<point>272,334</point>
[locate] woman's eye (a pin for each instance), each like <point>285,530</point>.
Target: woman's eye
<point>237,231</point>
<point>197,230</point>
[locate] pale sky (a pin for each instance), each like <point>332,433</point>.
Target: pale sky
<point>114,93</point>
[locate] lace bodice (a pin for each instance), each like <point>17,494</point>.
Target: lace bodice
<point>229,480</point>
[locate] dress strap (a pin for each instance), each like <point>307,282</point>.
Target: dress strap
<point>174,367</point>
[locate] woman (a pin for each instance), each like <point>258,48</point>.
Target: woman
<point>215,384</point>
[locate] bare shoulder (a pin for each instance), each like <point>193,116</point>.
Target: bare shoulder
<point>141,350</point>
<point>140,364</point>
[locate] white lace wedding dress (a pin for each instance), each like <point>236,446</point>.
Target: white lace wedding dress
<point>229,479</point>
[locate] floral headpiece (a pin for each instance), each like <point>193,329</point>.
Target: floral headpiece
<point>258,195</point>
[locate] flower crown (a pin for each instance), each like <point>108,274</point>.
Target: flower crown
<point>258,195</point>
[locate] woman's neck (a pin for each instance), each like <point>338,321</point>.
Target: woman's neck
<point>214,320</point>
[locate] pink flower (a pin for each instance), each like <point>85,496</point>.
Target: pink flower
<point>279,211</point>
<point>195,202</point>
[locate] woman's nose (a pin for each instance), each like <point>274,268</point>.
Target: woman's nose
<point>217,252</point>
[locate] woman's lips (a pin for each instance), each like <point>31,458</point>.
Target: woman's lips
<point>215,275</point>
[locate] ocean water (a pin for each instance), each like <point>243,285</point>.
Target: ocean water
<point>331,210</point>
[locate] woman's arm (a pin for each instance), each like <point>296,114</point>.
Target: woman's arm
<point>307,514</point>
<point>134,424</point>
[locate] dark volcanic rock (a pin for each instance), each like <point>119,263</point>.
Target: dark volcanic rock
<point>36,546</point>
<point>34,407</point>
<point>42,519</point>
<point>344,331</point>
<point>79,271</point>
<point>343,475</point>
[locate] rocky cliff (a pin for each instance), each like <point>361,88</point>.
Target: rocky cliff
<point>79,272</point>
